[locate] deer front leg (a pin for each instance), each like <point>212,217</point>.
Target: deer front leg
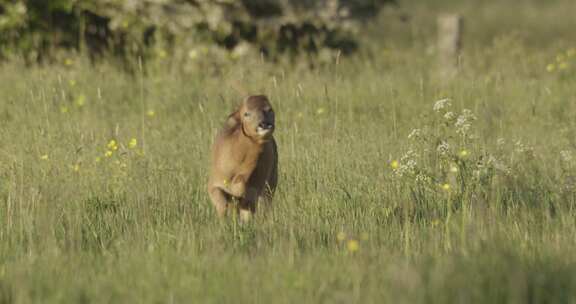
<point>238,186</point>
<point>220,200</point>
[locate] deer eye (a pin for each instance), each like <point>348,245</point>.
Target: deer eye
<point>246,114</point>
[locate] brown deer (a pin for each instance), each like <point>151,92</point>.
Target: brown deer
<point>245,159</point>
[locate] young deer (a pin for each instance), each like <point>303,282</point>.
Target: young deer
<point>245,159</point>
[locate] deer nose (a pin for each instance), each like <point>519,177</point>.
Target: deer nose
<point>265,125</point>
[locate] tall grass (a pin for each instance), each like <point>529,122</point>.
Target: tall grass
<point>85,219</point>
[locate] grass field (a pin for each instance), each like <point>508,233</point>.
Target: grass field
<point>102,185</point>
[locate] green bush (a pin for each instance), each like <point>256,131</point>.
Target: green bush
<point>39,29</point>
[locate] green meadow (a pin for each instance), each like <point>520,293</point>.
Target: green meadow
<point>396,185</point>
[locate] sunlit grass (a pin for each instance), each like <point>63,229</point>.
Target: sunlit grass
<point>102,192</point>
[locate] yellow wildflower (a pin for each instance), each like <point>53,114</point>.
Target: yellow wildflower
<point>112,145</point>
<point>97,159</point>
<point>353,246</point>
<point>320,111</point>
<point>445,187</point>
<point>562,65</point>
<point>464,153</point>
<point>108,153</point>
<point>81,100</point>
<point>133,143</point>
<point>193,54</point>
<point>64,109</point>
<point>550,67</point>
<point>44,157</point>
<point>76,167</point>
<point>453,169</point>
<point>394,164</point>
<point>226,183</point>
<point>150,113</point>
<point>341,236</point>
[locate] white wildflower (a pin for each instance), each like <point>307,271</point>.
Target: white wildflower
<point>407,164</point>
<point>469,114</point>
<point>422,178</point>
<point>407,168</point>
<point>410,154</point>
<point>443,148</point>
<point>416,133</point>
<point>566,156</point>
<point>441,104</point>
<point>463,122</point>
<point>520,147</point>
<point>449,115</point>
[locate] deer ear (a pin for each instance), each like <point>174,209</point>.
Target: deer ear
<point>233,119</point>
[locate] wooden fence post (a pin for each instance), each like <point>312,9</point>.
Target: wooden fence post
<point>449,43</point>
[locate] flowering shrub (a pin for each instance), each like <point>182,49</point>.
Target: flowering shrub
<point>445,159</point>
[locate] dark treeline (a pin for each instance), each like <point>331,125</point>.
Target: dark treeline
<point>39,29</point>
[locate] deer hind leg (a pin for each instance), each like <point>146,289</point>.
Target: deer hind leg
<point>265,199</point>
<point>247,205</point>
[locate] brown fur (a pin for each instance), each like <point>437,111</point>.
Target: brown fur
<point>245,158</point>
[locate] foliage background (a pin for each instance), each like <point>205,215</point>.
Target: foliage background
<point>130,28</point>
